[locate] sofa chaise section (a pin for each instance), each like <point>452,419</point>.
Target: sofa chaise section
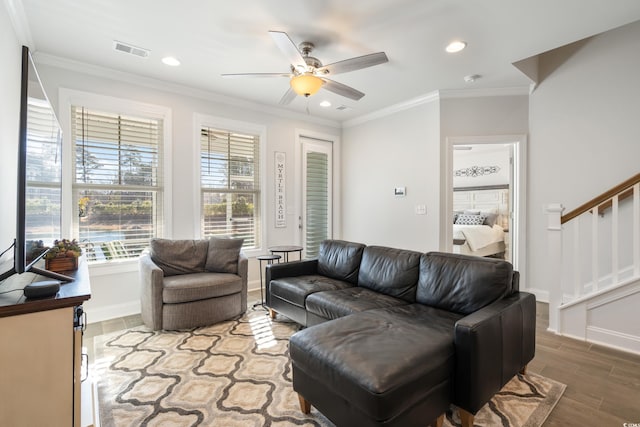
<point>415,333</point>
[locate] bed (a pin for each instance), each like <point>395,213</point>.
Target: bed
<point>480,215</point>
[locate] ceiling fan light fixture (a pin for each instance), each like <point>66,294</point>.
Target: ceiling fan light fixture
<point>306,84</point>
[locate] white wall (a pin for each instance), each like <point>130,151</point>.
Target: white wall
<point>399,150</point>
<point>115,291</point>
<point>10,72</point>
<point>585,131</point>
<point>483,117</point>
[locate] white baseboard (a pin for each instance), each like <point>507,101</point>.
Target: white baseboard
<point>541,295</point>
<point>613,339</point>
<point>112,311</point>
<point>253,285</point>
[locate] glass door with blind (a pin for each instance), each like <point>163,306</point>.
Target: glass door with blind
<point>316,221</point>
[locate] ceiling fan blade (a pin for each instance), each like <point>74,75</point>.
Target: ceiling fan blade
<point>289,48</point>
<point>342,90</point>
<point>233,76</point>
<point>355,63</point>
<point>289,96</point>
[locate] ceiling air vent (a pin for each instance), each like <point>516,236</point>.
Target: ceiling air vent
<point>343,108</point>
<point>130,49</point>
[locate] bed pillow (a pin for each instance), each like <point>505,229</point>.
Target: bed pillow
<point>490,218</point>
<point>466,219</point>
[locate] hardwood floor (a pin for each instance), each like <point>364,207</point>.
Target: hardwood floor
<point>603,385</point>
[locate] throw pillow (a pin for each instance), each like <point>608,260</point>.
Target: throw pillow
<point>223,255</point>
<point>490,218</point>
<point>465,219</point>
<point>179,256</point>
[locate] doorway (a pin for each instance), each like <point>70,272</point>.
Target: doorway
<point>315,219</point>
<point>501,189</point>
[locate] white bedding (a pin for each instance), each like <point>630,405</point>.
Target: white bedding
<point>478,236</point>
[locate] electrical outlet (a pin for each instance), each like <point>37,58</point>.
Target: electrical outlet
<point>421,209</point>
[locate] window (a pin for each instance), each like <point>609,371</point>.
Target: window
<point>44,165</point>
<point>117,182</point>
<point>230,185</point>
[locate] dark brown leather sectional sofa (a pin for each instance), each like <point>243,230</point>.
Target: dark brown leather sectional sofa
<point>394,337</point>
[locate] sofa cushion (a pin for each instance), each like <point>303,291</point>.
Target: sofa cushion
<point>296,289</point>
<point>179,256</point>
<point>223,254</point>
<point>390,271</point>
<point>333,304</point>
<point>199,286</point>
<point>340,260</point>
<point>382,361</point>
<point>462,283</point>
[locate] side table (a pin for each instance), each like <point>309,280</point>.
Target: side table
<point>269,259</point>
<point>285,251</point>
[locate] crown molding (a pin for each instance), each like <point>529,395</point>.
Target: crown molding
<point>111,74</point>
<point>19,21</point>
<point>392,109</point>
<point>436,96</point>
<point>477,93</point>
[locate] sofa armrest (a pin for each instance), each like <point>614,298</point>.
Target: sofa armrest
<point>291,269</point>
<point>151,277</point>
<point>288,269</point>
<point>243,272</point>
<point>492,345</point>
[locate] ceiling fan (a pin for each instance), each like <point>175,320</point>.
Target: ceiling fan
<point>308,74</point>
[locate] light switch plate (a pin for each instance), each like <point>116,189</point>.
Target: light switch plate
<point>421,209</point>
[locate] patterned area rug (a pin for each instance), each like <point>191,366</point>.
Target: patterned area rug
<point>237,373</point>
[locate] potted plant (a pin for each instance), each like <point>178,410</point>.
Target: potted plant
<point>63,255</point>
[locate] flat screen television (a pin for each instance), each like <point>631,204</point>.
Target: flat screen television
<point>39,181</point>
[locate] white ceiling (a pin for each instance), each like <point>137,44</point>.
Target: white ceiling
<point>211,37</point>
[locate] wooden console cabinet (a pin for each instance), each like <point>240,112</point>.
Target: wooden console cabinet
<point>40,354</point>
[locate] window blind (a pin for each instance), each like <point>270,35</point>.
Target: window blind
<point>230,185</point>
<point>317,202</point>
<point>118,182</point>
<point>44,167</point>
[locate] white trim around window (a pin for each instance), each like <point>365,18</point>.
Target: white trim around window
<point>69,97</point>
<point>204,120</point>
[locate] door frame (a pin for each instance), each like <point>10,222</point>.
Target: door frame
<point>336,183</point>
<point>518,198</point>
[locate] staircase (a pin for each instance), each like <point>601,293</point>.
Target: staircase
<point>594,260</point>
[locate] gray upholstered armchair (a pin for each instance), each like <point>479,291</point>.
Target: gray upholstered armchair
<point>191,283</point>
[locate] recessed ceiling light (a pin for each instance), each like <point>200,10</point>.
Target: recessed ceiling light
<point>325,104</point>
<point>456,46</point>
<point>170,60</point>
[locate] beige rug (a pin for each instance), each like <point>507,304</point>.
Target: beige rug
<point>237,373</point>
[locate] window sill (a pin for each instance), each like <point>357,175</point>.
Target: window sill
<point>113,267</point>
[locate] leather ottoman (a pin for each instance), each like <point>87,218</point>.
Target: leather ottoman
<point>403,377</point>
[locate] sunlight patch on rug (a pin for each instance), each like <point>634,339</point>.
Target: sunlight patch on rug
<point>238,373</point>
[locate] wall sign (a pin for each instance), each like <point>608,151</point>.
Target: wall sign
<point>281,203</point>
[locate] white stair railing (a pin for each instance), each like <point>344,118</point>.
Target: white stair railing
<point>594,247</point>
